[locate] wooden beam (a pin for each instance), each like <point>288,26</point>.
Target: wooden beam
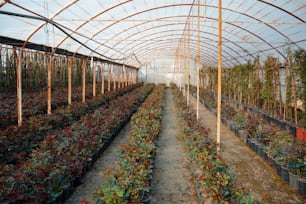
<point>189,63</point>
<point>114,80</point>
<point>109,77</point>
<point>50,65</point>
<point>219,74</point>
<point>18,85</point>
<point>102,79</point>
<point>93,68</point>
<point>69,80</point>
<point>198,63</point>
<point>83,81</point>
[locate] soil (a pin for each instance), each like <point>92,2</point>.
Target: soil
<point>172,179</point>
<point>252,171</point>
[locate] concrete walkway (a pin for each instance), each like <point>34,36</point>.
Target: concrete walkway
<point>172,180</point>
<point>252,171</point>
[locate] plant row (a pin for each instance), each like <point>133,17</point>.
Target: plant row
<point>128,181</point>
<point>279,89</point>
<point>279,148</point>
<point>215,181</point>
<point>35,102</point>
<point>17,142</point>
<point>62,158</point>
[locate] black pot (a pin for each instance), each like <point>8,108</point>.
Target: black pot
<point>302,185</point>
<point>285,173</point>
<point>146,199</point>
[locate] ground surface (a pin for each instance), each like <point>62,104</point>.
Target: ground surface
<point>172,182</point>
<point>252,170</point>
<point>92,179</point>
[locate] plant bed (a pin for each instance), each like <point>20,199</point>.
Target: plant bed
<point>279,148</point>
<point>61,158</point>
<point>128,181</point>
<point>215,181</point>
<point>18,142</point>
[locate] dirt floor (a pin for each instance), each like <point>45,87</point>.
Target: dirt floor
<point>92,179</point>
<point>172,182</point>
<point>252,170</point>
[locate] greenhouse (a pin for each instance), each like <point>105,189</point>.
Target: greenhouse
<point>161,102</point>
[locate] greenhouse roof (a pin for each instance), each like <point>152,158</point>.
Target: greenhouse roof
<point>138,32</point>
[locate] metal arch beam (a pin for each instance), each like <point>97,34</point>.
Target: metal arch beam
<point>210,26</point>
<point>178,30</point>
<point>134,26</point>
<point>174,5</point>
<point>91,18</point>
<point>175,46</point>
<point>44,23</point>
<point>284,10</point>
<point>162,47</point>
<point>4,2</point>
<point>134,34</point>
<point>177,39</point>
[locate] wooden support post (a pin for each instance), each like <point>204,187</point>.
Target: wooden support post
<point>109,77</point>
<point>189,63</point>
<point>114,80</point>
<point>18,85</point>
<point>83,81</point>
<point>69,80</point>
<point>93,68</point>
<point>118,79</point>
<point>123,77</point>
<point>50,65</point>
<point>219,74</point>
<point>128,76</point>
<point>198,63</point>
<point>102,79</point>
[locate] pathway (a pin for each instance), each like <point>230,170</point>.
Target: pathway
<point>92,180</point>
<point>172,180</point>
<point>251,169</point>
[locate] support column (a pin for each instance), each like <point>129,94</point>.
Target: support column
<point>102,79</point>
<point>69,80</point>
<point>198,62</point>
<point>50,65</point>
<point>114,80</point>
<point>93,68</point>
<point>83,81</point>
<point>219,74</point>
<point>109,77</point>
<point>189,62</point>
<point>18,85</point>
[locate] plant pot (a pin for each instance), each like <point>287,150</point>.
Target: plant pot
<point>146,198</point>
<point>270,160</point>
<point>285,174</point>
<point>293,180</point>
<point>277,166</point>
<point>302,185</point>
<point>260,150</point>
<point>299,134</point>
<point>243,135</point>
